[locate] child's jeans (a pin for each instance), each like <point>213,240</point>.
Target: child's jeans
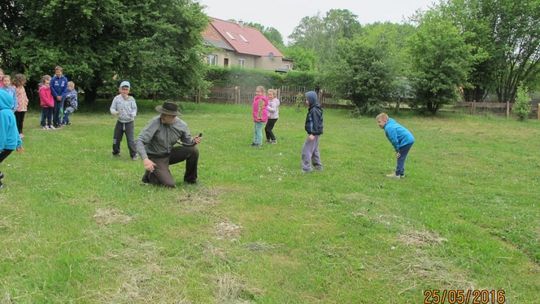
<point>119,130</point>
<point>257,136</point>
<point>58,106</point>
<point>311,155</point>
<point>268,129</point>
<point>46,114</point>
<point>403,151</point>
<point>67,112</point>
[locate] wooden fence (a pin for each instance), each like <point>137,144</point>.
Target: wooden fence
<point>501,108</point>
<point>238,95</point>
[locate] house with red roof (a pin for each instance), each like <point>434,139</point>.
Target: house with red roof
<point>235,44</point>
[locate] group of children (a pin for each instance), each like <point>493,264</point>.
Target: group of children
<point>265,111</point>
<point>57,96</point>
<point>15,89</point>
<point>60,97</point>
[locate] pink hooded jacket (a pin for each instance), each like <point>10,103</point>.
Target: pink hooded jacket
<point>45,97</point>
<point>260,113</point>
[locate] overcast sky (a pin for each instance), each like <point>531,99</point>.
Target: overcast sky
<point>285,15</point>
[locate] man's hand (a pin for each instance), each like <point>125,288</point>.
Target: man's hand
<point>149,165</point>
<point>197,140</point>
<point>398,155</point>
<point>59,98</point>
<point>311,137</point>
<point>20,149</point>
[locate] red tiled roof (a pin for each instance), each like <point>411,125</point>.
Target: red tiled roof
<point>214,38</point>
<point>245,39</point>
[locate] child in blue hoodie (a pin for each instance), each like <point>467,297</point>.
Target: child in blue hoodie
<point>401,138</point>
<point>9,134</point>
<point>311,158</point>
<point>58,89</point>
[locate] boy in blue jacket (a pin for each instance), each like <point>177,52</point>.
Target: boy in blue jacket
<point>401,138</point>
<point>58,89</point>
<point>311,157</point>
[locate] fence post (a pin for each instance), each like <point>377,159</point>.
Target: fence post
<point>508,109</point>
<point>538,110</point>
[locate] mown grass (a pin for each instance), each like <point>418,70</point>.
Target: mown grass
<point>77,226</point>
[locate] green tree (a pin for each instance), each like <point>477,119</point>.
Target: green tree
<point>155,44</point>
<point>362,75</point>
<point>322,34</point>
<point>391,39</point>
<point>505,36</point>
<point>304,59</point>
<point>441,62</point>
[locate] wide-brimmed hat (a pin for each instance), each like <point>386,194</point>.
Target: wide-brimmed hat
<point>169,108</point>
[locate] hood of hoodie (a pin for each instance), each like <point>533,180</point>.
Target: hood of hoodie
<point>312,99</point>
<point>6,100</point>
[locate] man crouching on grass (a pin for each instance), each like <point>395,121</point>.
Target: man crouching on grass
<point>155,146</point>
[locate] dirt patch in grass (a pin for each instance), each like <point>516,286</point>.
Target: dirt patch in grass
<point>140,275</point>
<point>231,289</point>
<point>107,216</point>
<point>200,198</point>
<point>420,268</point>
<point>212,252</point>
<point>5,224</point>
<point>421,238</point>
<point>259,247</point>
<point>227,230</point>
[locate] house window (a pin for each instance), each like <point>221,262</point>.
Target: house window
<point>243,38</point>
<point>212,59</point>
<point>241,62</point>
<point>230,35</point>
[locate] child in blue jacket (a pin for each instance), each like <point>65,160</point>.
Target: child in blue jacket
<point>401,138</point>
<point>9,134</point>
<point>58,89</point>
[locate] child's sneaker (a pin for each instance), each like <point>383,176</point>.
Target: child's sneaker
<point>393,175</point>
<point>52,127</point>
<point>44,128</point>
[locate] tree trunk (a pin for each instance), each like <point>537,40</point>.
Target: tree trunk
<point>90,95</point>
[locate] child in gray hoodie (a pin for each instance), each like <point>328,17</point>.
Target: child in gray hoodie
<point>125,108</point>
<point>314,128</point>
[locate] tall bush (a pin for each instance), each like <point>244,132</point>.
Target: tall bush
<point>522,106</point>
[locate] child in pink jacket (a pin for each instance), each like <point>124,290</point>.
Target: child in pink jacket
<point>46,102</point>
<point>260,115</point>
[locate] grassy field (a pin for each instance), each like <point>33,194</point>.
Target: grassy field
<point>77,226</point>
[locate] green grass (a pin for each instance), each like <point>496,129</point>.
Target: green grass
<point>77,226</point>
